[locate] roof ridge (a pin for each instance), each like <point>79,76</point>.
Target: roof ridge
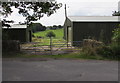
<point>93,16</point>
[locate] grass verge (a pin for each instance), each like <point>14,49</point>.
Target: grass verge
<point>63,56</point>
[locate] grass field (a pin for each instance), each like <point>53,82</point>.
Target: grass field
<point>58,33</point>
<point>45,40</point>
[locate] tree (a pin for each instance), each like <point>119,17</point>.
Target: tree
<point>38,8</point>
<point>116,42</point>
<point>37,27</point>
<point>59,26</point>
<point>116,35</point>
<point>54,27</point>
<point>4,23</point>
<point>44,28</point>
<point>115,13</point>
<point>50,35</point>
<point>49,27</point>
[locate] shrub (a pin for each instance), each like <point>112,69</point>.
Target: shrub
<point>39,37</point>
<point>116,49</point>
<point>115,45</point>
<point>116,35</point>
<point>50,34</point>
<point>112,51</point>
<point>104,51</point>
<point>89,46</point>
<point>91,43</point>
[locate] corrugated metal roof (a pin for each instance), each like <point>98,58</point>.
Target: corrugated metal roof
<point>94,18</point>
<point>17,26</point>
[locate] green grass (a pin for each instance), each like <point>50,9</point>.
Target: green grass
<point>45,40</point>
<point>58,33</point>
<point>61,56</point>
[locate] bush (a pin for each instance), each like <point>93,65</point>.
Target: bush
<point>91,43</point>
<point>50,34</point>
<point>39,37</point>
<point>116,35</point>
<point>97,48</point>
<point>115,45</point>
<point>104,51</point>
<point>89,46</point>
<point>116,49</point>
<point>112,51</point>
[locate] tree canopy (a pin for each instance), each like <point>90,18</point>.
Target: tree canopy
<point>116,13</point>
<point>50,34</point>
<point>38,9</point>
<point>37,27</point>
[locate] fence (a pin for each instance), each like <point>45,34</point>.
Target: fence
<point>53,49</point>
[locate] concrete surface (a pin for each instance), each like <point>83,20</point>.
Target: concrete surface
<point>60,70</point>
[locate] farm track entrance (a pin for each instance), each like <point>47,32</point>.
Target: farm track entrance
<point>54,49</point>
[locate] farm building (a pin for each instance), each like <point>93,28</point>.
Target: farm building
<point>18,32</point>
<point>84,27</point>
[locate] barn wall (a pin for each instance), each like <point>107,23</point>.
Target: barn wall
<point>28,35</point>
<point>16,34</point>
<point>83,30</point>
<point>67,24</point>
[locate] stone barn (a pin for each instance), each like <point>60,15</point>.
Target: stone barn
<point>84,27</point>
<point>18,32</point>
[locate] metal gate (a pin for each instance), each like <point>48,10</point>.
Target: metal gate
<point>53,49</point>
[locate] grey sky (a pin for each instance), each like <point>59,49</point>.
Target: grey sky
<point>75,8</point>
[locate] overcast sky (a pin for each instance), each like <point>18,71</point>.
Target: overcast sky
<point>75,8</point>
